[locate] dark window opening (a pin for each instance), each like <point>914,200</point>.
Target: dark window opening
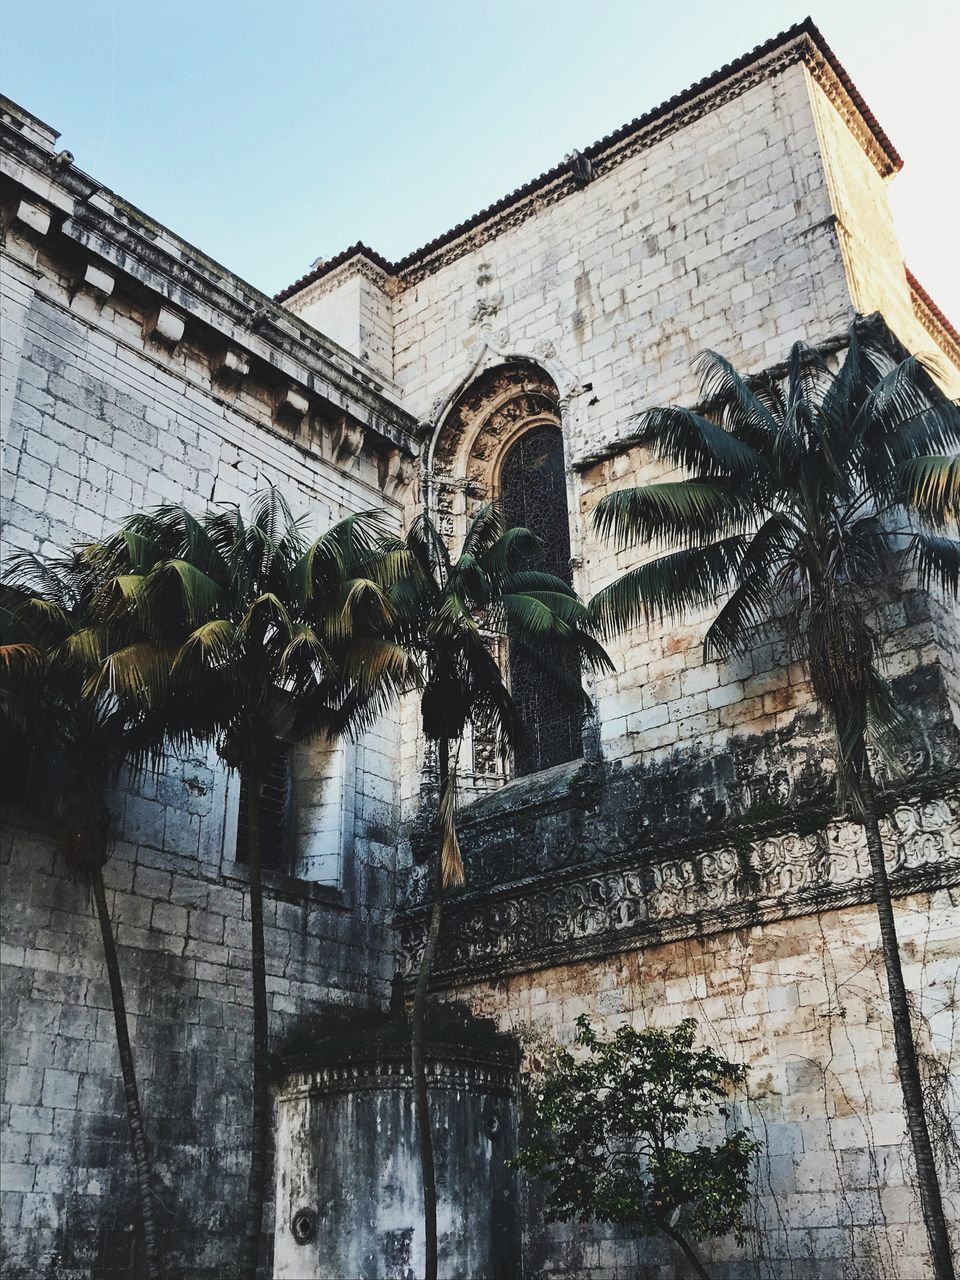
<point>534,495</point>
<point>276,790</point>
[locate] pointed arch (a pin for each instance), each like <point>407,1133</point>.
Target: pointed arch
<point>502,426</point>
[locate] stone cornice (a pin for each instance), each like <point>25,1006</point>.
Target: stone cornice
<point>90,223</point>
<point>802,43</point>
<point>447,1067</point>
<point>357,265</point>
<point>933,320</point>
<point>737,880</point>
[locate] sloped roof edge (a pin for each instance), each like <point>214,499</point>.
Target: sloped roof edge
<point>597,149</point>
<point>936,315</point>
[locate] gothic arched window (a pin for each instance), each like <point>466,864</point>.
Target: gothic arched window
<point>533,494</point>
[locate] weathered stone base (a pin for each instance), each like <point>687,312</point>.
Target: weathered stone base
<point>803,1003</point>
<point>349,1193</point>
<point>183,941</point>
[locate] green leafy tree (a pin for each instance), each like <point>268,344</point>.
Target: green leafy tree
<point>804,496</point>
<point>611,1136</point>
<point>277,638</point>
<point>70,726</point>
<point>447,613</point>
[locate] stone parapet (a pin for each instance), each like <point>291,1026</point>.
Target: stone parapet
<point>691,890</point>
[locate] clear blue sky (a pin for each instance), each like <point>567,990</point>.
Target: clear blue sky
<point>273,132</point>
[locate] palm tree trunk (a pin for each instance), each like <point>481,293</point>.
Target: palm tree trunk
<point>905,1048</point>
<point>687,1251</point>
<point>138,1140</point>
<point>260,1122</point>
<point>417,1031</point>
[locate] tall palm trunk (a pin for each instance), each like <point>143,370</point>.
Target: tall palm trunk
<point>138,1141</point>
<point>260,1121</point>
<point>905,1048</point>
<point>417,1032</point>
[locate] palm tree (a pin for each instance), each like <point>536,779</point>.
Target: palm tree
<point>448,612</point>
<point>277,639</point>
<point>802,496</point>
<point>68,663</point>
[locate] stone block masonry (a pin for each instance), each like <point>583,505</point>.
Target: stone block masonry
<point>693,863</point>
<point>174,385</point>
<point>756,217</point>
<point>183,935</point>
<point>803,1004</point>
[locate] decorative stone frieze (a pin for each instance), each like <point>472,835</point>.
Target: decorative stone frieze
<point>662,898</point>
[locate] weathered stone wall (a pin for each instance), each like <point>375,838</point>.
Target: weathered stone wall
<point>756,218</point>
<point>761,220</point>
<point>712,236</point>
<point>692,865</point>
<point>803,1004</point>
<point>347,1154</point>
<point>868,238</point>
<point>117,399</point>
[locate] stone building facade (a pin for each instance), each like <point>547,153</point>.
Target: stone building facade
<point>685,857</point>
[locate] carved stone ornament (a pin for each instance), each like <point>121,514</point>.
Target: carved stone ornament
<point>303,1226</point>
<point>563,916</point>
<point>485,308</point>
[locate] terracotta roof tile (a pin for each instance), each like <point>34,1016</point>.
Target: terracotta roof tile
<point>917,288</point>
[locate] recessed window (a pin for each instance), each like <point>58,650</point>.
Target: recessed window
<point>276,831</point>
<point>533,492</point>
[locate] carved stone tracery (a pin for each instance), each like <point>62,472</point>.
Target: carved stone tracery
<point>563,917</point>
<point>474,437</point>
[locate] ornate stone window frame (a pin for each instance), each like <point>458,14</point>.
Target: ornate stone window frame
<point>502,396</point>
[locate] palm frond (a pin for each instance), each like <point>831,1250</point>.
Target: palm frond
<point>212,643</point>
<point>266,610</point>
<point>20,656</point>
<point>743,413</point>
<point>483,532</point>
<point>670,586</point>
<point>684,512</point>
<point>451,859</point>
<point>199,591</point>
<point>752,602</point>
<point>428,549</point>
<point>937,561</point>
<point>139,673</point>
<point>85,648</point>
<point>517,548</point>
<point>931,486</point>
<point>686,439</point>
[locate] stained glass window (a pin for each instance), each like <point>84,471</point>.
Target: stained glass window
<point>533,492</point>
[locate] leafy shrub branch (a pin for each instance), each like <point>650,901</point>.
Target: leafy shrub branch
<point>613,1136</point>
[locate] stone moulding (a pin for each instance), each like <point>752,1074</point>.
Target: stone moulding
<point>447,1066</point>
<point>737,882</point>
<point>358,264</point>
<point>932,318</point>
<point>162,274</point>
<point>802,43</point>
